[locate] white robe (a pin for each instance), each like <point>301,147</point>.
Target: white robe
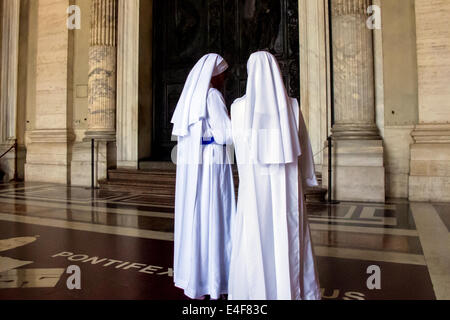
<point>272,255</point>
<point>204,204</point>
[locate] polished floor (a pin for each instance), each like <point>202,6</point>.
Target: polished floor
<point>123,244</point>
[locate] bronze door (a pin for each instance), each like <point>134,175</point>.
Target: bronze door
<point>185,30</point>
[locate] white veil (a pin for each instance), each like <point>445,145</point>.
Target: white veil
<point>192,104</point>
<point>268,113</point>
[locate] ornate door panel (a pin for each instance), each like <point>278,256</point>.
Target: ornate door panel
<point>185,30</point>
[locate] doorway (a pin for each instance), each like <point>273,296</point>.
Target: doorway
<point>185,30</point>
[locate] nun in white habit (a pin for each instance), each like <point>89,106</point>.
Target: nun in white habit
<point>272,256</point>
<point>204,197</point>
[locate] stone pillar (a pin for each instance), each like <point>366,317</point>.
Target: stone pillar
<point>430,154</point>
<point>357,146</point>
<point>101,97</point>
<point>9,75</point>
<point>353,70</point>
<point>314,73</point>
<point>128,85</point>
<point>102,71</point>
<point>49,144</point>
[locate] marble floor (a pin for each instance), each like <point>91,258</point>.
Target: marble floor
<point>123,244</point>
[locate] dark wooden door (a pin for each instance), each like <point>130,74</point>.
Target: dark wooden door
<point>185,30</point>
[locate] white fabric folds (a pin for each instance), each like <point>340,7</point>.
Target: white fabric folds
<point>268,113</point>
<point>204,196</point>
<point>192,104</point>
<point>272,255</point>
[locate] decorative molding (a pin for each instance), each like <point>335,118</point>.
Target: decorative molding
<point>103,23</point>
<point>52,136</point>
<point>431,133</point>
<point>347,7</point>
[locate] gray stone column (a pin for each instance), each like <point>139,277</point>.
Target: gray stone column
<point>102,71</point>
<point>353,69</point>
<point>358,164</point>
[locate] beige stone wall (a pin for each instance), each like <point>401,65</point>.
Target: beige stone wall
<point>81,71</point>
<point>49,144</point>
<point>400,92</point>
<point>1,33</point>
<point>433,51</point>
<point>52,65</point>
<point>430,154</point>
<point>26,78</point>
<point>400,62</point>
<point>27,66</point>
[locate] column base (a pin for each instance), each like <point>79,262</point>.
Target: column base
<point>358,170</point>
<point>47,156</point>
<point>355,132</point>
<point>430,163</point>
<point>81,163</point>
<point>104,136</point>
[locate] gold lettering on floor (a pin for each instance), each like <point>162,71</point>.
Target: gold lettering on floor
<point>117,264</point>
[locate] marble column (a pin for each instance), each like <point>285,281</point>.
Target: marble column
<point>430,154</point>
<point>353,70</point>
<point>314,73</point>
<point>102,71</point>
<point>128,84</point>
<point>9,76</point>
<point>357,146</point>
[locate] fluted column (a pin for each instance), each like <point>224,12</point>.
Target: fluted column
<point>8,78</point>
<point>353,71</point>
<point>9,70</point>
<point>358,155</point>
<point>102,71</point>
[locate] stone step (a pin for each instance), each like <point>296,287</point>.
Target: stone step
<point>138,186</point>
<point>161,183</point>
<point>142,175</point>
<point>157,165</point>
<point>316,194</point>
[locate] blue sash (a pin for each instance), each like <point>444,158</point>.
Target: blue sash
<point>207,142</point>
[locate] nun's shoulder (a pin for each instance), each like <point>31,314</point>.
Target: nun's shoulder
<point>237,107</point>
<point>239,100</point>
<point>215,97</point>
<point>214,92</point>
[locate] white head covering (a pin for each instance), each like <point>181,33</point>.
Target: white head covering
<point>192,104</point>
<point>268,113</point>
